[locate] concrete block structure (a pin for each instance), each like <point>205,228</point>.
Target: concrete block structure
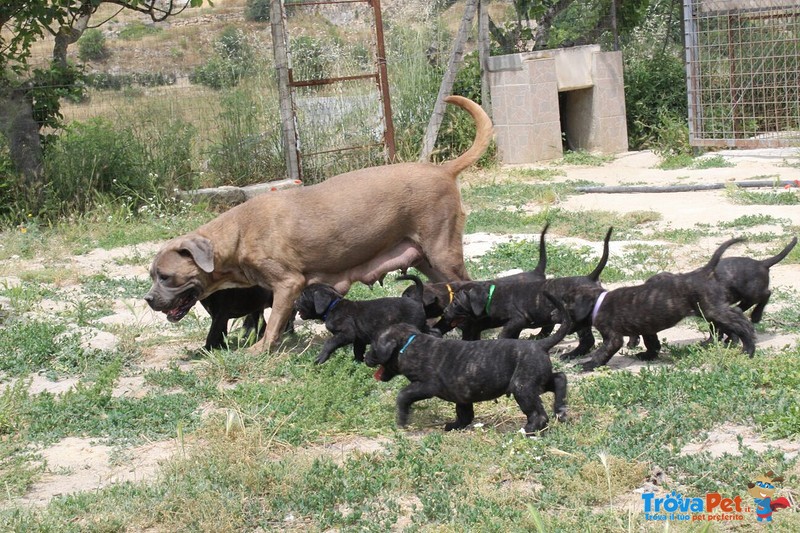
<point>544,100</point>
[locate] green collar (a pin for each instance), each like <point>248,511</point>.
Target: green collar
<point>489,299</point>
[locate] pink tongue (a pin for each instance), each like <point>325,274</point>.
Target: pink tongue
<point>379,373</point>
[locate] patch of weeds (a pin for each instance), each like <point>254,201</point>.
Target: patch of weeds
<point>739,195</point>
<point>511,194</point>
<point>561,260</point>
<point>91,410</point>
<point>597,480</point>
<point>543,174</point>
<point>17,469</point>
<point>25,296</point>
<point>135,31</point>
<point>173,378</point>
<point>29,347</point>
<point>716,161</point>
<point>786,317</point>
<point>105,287</point>
<point>640,261</point>
<point>503,221</point>
<point>581,157</point>
<point>683,235</point>
<point>749,221</point>
<point>593,225</point>
<point>83,312</point>
<point>47,276</point>
<point>331,398</point>
<point>675,161</point>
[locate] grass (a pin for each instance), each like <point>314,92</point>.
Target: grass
<point>275,442</point>
<point>742,196</point>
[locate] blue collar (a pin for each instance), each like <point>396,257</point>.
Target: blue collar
<point>330,308</point>
<point>411,338</point>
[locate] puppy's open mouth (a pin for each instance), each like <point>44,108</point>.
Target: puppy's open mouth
<point>185,303</point>
<point>379,373</point>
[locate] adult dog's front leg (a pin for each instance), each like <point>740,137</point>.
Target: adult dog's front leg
<point>282,309</point>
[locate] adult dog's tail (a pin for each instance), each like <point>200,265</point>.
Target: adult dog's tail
<point>542,265</point>
<point>712,263</point>
<point>483,135</point>
<point>778,258</point>
<point>566,324</point>
<point>595,274</point>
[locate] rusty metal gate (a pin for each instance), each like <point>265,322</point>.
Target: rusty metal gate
<point>743,72</point>
<point>336,86</point>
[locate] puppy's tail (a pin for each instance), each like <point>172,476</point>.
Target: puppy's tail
<point>778,258</point>
<point>595,274</point>
<point>566,324</point>
<point>540,267</point>
<point>712,263</point>
<point>483,135</point>
<point>417,283</point>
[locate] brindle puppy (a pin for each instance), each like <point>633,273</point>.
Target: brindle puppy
<point>656,305</point>
<point>358,322</point>
<point>465,372</point>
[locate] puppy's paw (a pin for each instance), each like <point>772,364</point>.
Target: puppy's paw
<point>321,358</point>
<point>561,414</point>
<point>589,365</point>
<point>647,356</point>
<point>450,426</point>
<point>568,356</point>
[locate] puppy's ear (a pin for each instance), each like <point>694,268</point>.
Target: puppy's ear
<point>201,251</point>
<point>384,347</point>
<point>477,300</point>
<point>321,301</point>
<point>582,306</point>
<point>428,297</point>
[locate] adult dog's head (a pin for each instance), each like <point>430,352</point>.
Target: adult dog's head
<point>385,351</point>
<point>181,274</point>
<point>316,301</point>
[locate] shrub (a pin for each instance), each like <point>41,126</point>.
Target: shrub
<point>257,10</point>
<point>244,153</point>
<point>655,97</point>
<point>92,46</point>
<point>93,158</point>
<point>232,60</point>
<point>309,58</point>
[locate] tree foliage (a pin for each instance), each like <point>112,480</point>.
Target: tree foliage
<point>29,98</point>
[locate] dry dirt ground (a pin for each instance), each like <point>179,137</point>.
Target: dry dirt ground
<point>80,464</point>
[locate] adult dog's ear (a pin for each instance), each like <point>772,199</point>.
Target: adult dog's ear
<point>322,299</point>
<point>477,300</point>
<point>201,250</point>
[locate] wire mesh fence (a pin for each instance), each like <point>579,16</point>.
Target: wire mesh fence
<point>743,72</point>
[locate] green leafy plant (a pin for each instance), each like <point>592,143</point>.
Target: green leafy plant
<point>92,46</point>
<point>232,60</point>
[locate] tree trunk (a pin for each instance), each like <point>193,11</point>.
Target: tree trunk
<point>22,133</point>
<point>447,82</point>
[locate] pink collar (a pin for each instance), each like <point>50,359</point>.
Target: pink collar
<point>597,304</point>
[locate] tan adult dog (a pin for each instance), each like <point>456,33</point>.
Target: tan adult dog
<point>352,227</point>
